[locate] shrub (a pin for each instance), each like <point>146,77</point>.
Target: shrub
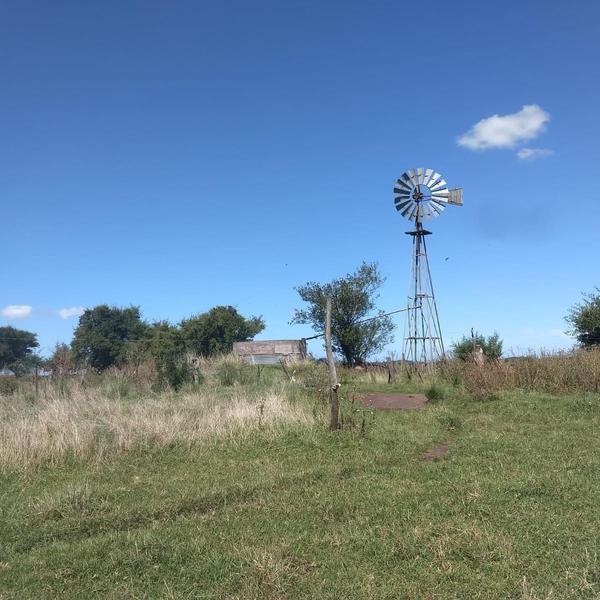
<point>491,346</point>
<point>584,319</point>
<point>435,392</point>
<point>172,371</point>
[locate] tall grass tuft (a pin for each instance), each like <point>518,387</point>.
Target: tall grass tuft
<point>229,370</point>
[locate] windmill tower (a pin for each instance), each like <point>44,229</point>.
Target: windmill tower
<point>422,194</point>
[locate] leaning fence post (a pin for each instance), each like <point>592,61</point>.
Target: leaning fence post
<point>334,422</point>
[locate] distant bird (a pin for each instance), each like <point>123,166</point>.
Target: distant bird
<point>447,257</point>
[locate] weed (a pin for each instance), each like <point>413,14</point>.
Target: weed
<point>448,419</point>
<point>435,392</point>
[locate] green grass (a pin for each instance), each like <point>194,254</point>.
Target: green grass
<point>511,512</point>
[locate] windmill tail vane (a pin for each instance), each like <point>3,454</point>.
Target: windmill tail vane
<point>419,194</point>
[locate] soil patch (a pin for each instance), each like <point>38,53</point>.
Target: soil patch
<point>393,401</point>
<point>436,452</point>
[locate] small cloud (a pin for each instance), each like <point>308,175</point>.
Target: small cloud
<point>506,131</point>
<point>534,153</point>
<point>73,311</point>
<point>17,311</point>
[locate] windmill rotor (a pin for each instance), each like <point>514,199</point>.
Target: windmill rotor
<point>420,193</point>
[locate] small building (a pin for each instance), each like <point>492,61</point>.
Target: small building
<point>270,352</point>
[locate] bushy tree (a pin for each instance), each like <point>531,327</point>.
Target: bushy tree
<point>16,349</point>
<point>491,346</point>
<point>104,333</point>
<point>353,299</point>
<point>584,319</point>
<point>215,331</point>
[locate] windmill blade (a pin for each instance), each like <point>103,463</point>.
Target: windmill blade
<point>438,186</point>
<point>402,200</point>
<point>407,181</point>
<point>420,175</point>
<point>407,209</point>
<point>438,206</point>
<point>436,211</point>
<point>401,192</point>
<point>402,185</point>
<point>435,177</point>
<point>427,177</point>
<point>437,202</point>
<point>403,205</point>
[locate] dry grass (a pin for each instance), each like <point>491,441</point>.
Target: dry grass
<point>560,373</point>
<point>96,416</point>
<point>83,421</point>
<point>577,583</point>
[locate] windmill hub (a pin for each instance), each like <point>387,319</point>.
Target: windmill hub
<point>422,193</point>
<point>418,194</point>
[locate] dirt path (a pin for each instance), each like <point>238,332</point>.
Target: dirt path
<point>381,401</point>
<point>438,451</point>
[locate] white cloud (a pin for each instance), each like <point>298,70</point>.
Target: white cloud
<point>534,153</point>
<point>73,311</point>
<point>17,311</point>
<point>506,131</point>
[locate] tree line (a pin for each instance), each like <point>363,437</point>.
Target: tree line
<point>108,336</point>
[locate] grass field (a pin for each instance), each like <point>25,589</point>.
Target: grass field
<point>283,509</point>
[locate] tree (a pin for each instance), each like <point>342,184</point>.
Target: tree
<point>215,331</point>
<point>353,298</point>
<point>163,343</point>
<point>61,361</point>
<point>104,333</point>
<point>491,346</point>
<point>584,319</point>
<point>159,338</point>
<point>16,349</point>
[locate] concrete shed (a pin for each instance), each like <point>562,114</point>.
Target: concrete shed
<point>270,352</point>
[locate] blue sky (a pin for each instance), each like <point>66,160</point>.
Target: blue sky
<point>180,155</point>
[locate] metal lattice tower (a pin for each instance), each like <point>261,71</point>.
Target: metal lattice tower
<point>422,193</point>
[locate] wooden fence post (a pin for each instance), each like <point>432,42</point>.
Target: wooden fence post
<point>334,421</point>
<point>36,380</point>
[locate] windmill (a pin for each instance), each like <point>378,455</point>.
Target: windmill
<point>422,193</point>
